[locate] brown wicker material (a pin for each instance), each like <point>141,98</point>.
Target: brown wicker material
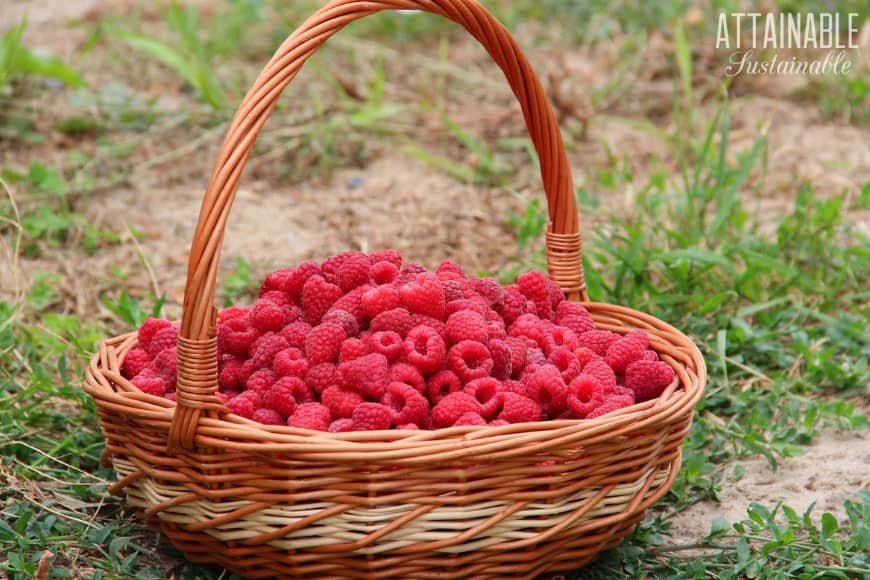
<point>463,502</point>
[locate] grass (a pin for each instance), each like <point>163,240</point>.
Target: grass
<point>778,305</point>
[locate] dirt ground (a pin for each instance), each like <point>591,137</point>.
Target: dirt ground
<point>396,201</point>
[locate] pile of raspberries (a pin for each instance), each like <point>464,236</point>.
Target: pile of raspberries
<point>361,342</point>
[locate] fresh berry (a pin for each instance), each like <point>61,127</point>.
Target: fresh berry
<point>163,339</point>
<point>501,359</point>
<point>564,360</point>
<point>433,323</point>
<point>559,337</point>
<point>488,393</point>
<point>610,404</point>
<point>513,307</point>
<point>453,290</point>
<point>352,348</point>
<point>323,343</point>
<point>301,392</point>
<point>280,298</point>
<point>321,376</point>
<point>344,319</point>
<point>235,337</point>
<point>149,382</point>
<point>518,409</point>
<point>384,272</point>
<point>147,331</point>
<point>519,346</point>
<point>367,375</point>
<point>253,396</point>
<point>516,387</point>
<point>353,272</point>
<point>466,325</point>
<point>469,360</point>
<point>387,343</point>
<point>241,406</point>
<point>340,402</point>
<point>605,375</point>
<point>268,417</point>
<point>295,333</point>
<point>230,376</point>
<point>577,324</point>
<point>547,388</point>
<point>371,417</point>
<point>390,256</point>
<point>598,341</point>
<point>585,356</point>
<point>453,406</point>
<point>280,398</point>
<point>536,287</point>
<point>648,379</point>
<point>290,362</point>
<point>230,313</point>
<point>135,360</point>
<point>397,319</point>
<point>318,296</point>
<point>409,374</point>
<point>529,326</point>
<point>450,270</point>
<point>406,404</point>
<point>310,416</point>
<point>261,380</point>
<point>380,299</point>
<point>490,290</point>
<point>585,393</point>
<point>425,349</point>
<point>470,418</point>
<point>425,296</point>
<point>442,384</point>
<point>352,302</point>
<point>341,426</point>
<point>267,316</point>
<point>650,355</point>
<point>264,349</point>
<point>623,352</point>
<point>474,304</point>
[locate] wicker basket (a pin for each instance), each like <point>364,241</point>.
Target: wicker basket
<point>463,502</point>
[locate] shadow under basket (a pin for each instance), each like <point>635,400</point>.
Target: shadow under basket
<point>463,502</point>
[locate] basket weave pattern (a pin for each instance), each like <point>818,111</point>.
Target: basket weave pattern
<point>477,501</point>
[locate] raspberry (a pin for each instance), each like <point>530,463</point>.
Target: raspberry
<point>450,270</point>
<point>453,290</point>
<point>648,379</point>
<point>650,355</point>
<point>387,343</point>
<point>470,418</point>
<point>623,352</point>
<point>610,404</point>
<point>276,281</point>
<point>598,341</point>
<point>535,356</point>
<point>488,393</point>
<point>396,319</point>
<point>268,417</point>
<point>318,296</point>
<point>371,417</point>
<point>408,426</point>
<point>163,339</point>
<point>290,362</point>
<point>516,387</point>
<point>442,384</point>
<point>501,359</point>
<point>585,393</point>
<point>310,416</point>
<point>170,396</point>
<point>232,312</point>
<point>280,398</point>
<point>135,360</point>
<point>568,308</point>
<point>433,323</point>
<point>330,265</point>
<point>295,333</point>
<point>384,272</point>
<point>518,409</point>
<point>424,295</point>
<point>246,370</point>
<point>412,269</point>
<point>559,336</point>
<point>519,346</point>
<point>585,356</point>
<point>323,343</point>
<point>352,348</point>
<point>149,382</point>
<point>529,326</point>
<point>475,305</point>
<point>344,319</point>
<point>602,371</point>
<point>390,256</point>
<point>261,380</point>
<point>147,331</point>
<point>367,375</point>
<point>264,349</point>
<point>547,388</point>
<point>408,374</point>
<point>235,337</point>
<point>253,397</point>
<point>639,336</point>
<point>241,406</point>
<point>556,297</point>
<point>453,406</point>
<point>301,392</point>
<point>340,426</point>
<point>496,330</point>
<point>340,402</point>
<point>425,349</point>
<point>406,404</point>
<point>267,316</point>
<point>279,298</point>
<point>352,302</point>
<point>577,324</point>
<point>469,360</point>
<point>625,392</point>
<point>353,272</point>
<point>466,325</point>
<point>490,290</point>
<point>513,307</point>
<point>536,287</point>
<point>380,299</point>
<point>321,376</point>
<point>564,360</point>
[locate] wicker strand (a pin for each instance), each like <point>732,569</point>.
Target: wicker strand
<point>565,265</point>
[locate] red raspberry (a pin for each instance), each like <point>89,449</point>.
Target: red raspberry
<point>233,312</point>
<point>548,388</point>
<point>380,299</point>
<point>625,392</point>
<point>301,392</point>
<point>224,397</point>
<point>321,376</point>
<point>264,349</point>
<point>352,348</point>
<point>577,324</point>
<point>496,330</point>
<point>488,393</point>
<point>367,375</point>
<point>230,376</point>
<point>331,264</point>
<point>602,371</point>
<point>453,406</point>
<point>406,404</point>
<point>585,356</point>
<point>352,302</point>
<point>246,370</point>
<point>147,331</point>
<point>397,320</point>
<point>408,427</point>
<point>450,270</point>
<point>513,307</point>
<point>387,343</point>
<point>280,398</point>
<point>241,406</point>
<point>166,366</point>
<point>433,323</point>
<point>442,384</point>
<point>323,343</point>
<point>501,359</point>
<point>529,326</point>
<point>384,272</point>
<point>149,382</point>
<point>170,396</point>
<point>371,417</point>
<point>353,272</point>
<point>253,396</point>
<point>409,374</point>
<point>556,297</point>
<point>453,290</point>
<point>559,336</point>
<point>318,296</point>
<point>568,308</point>
<point>295,282</point>
<point>310,416</point>
<point>648,379</point>
<point>235,337</point>
<point>598,341</point>
<point>425,349</point>
<point>267,316</point>
<point>295,333</point>
<point>344,319</point>
<point>518,409</point>
<point>519,346</point>
<point>466,325</point>
<point>280,298</point>
<point>536,287</point>
<point>135,360</point>
<point>261,380</point>
<point>469,418</point>
<point>623,352</point>
<point>585,393</point>
<point>390,256</point>
<point>268,417</point>
<point>516,387</point>
<point>341,426</point>
<point>340,402</point>
<point>650,355</point>
<point>473,304</point>
<point>564,360</point>
<point>290,362</point>
<point>276,281</point>
<point>163,339</point>
<point>610,404</point>
<point>490,290</point>
<point>535,356</point>
<point>640,336</point>
<point>469,360</point>
<point>425,296</point>
<point>412,269</point>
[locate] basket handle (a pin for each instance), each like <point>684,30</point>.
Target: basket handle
<point>197,347</point>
